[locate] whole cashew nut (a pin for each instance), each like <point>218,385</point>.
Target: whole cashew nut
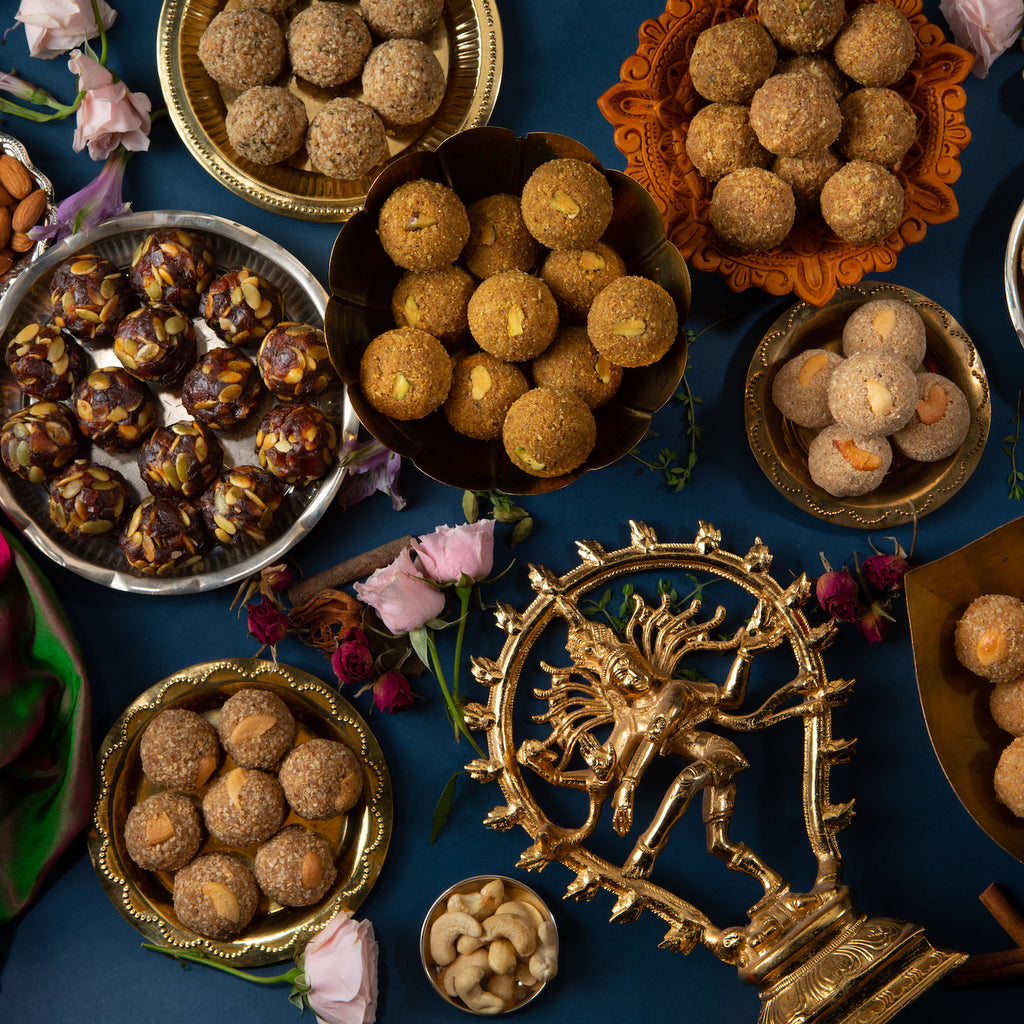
<point>523,909</point>
<point>445,931</point>
<point>478,958</point>
<point>502,957</point>
<point>479,904</point>
<point>544,962</point>
<point>516,929</point>
<point>467,987</point>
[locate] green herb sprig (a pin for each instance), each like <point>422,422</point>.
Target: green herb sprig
<point>1015,478</point>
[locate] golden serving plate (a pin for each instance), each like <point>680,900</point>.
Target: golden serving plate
<point>359,838</point>
<point>467,42</point>
<point>955,702</point>
<point>910,489</point>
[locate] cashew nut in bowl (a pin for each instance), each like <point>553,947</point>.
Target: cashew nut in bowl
<point>479,904</point>
<point>445,931</point>
<point>467,986</point>
<point>523,909</point>
<point>544,962</point>
<point>478,958</point>
<point>520,932</point>
<point>501,956</point>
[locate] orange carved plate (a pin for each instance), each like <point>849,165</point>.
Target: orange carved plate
<point>651,108</point>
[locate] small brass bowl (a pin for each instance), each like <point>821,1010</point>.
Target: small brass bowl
<point>514,890</point>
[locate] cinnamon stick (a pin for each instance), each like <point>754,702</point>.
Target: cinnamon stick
<point>988,967</point>
<point>353,568</point>
<point>999,906</point>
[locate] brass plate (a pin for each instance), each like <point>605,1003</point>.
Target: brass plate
<point>910,489</point>
<point>467,42</point>
<point>954,701</point>
<point>477,163</point>
<point>360,837</point>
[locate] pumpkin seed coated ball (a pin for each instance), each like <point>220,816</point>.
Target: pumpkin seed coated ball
<point>940,422</point>
<point>223,389</point>
<point>795,115</point>
<point>878,125</point>
<point>577,276</point>
<point>989,637</point>
<point>435,301</point>
<point>483,390</point>
<point>180,460</point>
<point>45,362</point>
<point>549,432</point>
<point>845,464</point>
<point>241,48</point>
<point>346,139</point>
<point>720,140</point>
<point>887,325</point>
<point>172,265</point>
<point>403,81</point>
<point>876,46</point>
<point>409,19</point>
<point>800,388</point>
<point>179,750</point>
<point>513,315</point>
<point>163,832</point>
<point>89,500</point>
<point>405,373</point>
<point>163,536</point>
<point>752,209</point>
<point>295,867</point>
<point>862,202</point>
<point>567,204</point>
<point>633,321</point>
<point>115,410</point>
<point>804,26</point>
<point>572,362</point>
<point>266,124</point>
<point>241,306</point>
<point>89,296</point>
<point>215,895</point>
<point>731,60</point>
<point>328,44</point>
<point>498,238</point>
<point>157,343</point>
<point>37,442</point>
<point>294,362</point>
<point>296,443</point>
<point>423,225</point>
<point>239,506</point>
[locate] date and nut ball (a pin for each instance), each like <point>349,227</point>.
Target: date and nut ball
<point>435,301</point>
<point>89,500</point>
<point>243,806</point>
<point>266,124</point>
<point>802,27</point>
<point>401,19</point>
<point>327,44</point>
<point>223,389</point>
<point>256,728</point>
<point>241,48</point>
<point>423,225</point>
<point>845,464</point>
<point>800,388</point>
<point>163,536</point>
<point>321,779</point>
<point>293,361</point>
<point>172,265</point>
<point>405,373</point>
<point>549,432</point>
<point>862,202</point>
<point>633,321</point>
<point>989,637</point>
<point>731,60</point>
<point>577,276</point>
<point>752,209</point>
<point>886,325</point>
<point>403,81</point>
<point>806,176</point>
<point>296,443</point>
<point>513,315</point>
<point>346,139</point>
<point>241,306</point>
<point>878,125</point>
<point>163,832</point>
<point>1008,778</point>
<point>795,115</point>
<point>876,46</point>
<point>498,238</point>
<point>89,295</point>
<point>940,422</point>
<point>215,895</point>
<point>296,867</point>
<point>872,393</point>
<point>572,362</point>
<point>114,409</point>
<point>37,442</point>
<point>483,390</point>
<point>720,139</point>
<point>45,362</point>
<point>240,505</point>
<point>179,461</point>
<point>179,750</point>
<point>567,204</point>
<point>157,343</point>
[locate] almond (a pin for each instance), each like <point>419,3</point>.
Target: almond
<point>27,213</point>
<point>857,457</point>
<point>20,242</point>
<point>15,177</point>
<point>5,227</point>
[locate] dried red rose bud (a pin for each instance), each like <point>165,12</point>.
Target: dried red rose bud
<point>873,624</point>
<point>352,661</point>
<point>886,572</point>
<point>267,623</point>
<point>837,593</point>
<point>392,693</point>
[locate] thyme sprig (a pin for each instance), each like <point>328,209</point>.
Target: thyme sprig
<point>1015,478</point>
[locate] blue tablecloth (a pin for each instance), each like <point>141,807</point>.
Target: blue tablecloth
<point>912,852</point>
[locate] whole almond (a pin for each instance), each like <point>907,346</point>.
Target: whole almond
<point>5,263</point>
<point>6,199</point>
<point>20,242</point>
<point>15,177</point>
<point>29,210</point>
<point>5,227</point>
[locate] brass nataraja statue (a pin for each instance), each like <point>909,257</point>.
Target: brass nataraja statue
<point>626,701</point>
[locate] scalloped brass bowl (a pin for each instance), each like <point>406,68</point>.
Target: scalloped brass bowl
<point>476,163</point>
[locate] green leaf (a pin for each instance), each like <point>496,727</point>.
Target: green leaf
<point>443,807</point>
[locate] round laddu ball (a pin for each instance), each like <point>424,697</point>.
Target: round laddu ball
<point>483,390</point>
<point>886,325</point>
<point>795,115</point>
<point>513,315</point>
<point>803,26</point>
<point>241,48</point>
<point>223,389</point>
<point>180,460</point>
<point>172,265</point>
<point>115,410</point>
<point>37,442</point>
<point>243,807</point>
<point>293,361</point>
<point>296,442</point>
<point>423,225</point>
<point>731,60</point>
<point>1008,778</point>
<point>163,832</point>
<point>567,204</point>
<point>800,388</point>
<point>328,44</point>
<point>498,238</point>
<point>256,728</point>
<point>435,301</point>
<point>295,867</point>
<point>806,176</point>
<point>179,750</point>
<point>266,124</point>
<point>88,296</point>
<point>46,363</point>
<point>572,362</point>
<point>862,203</point>
<point>89,500</point>
<point>321,779</point>
<point>241,306</point>
<point>878,125</point>
<point>164,536</point>
<point>346,139</point>
<point>1006,704</point>
<point>752,209</point>
<point>239,506</point>
<point>549,432</point>
<point>405,373</point>
<point>817,65</point>
<point>403,81</point>
<point>577,276</point>
<point>989,637</point>
<point>215,895</point>
<point>398,19</point>
<point>277,8</point>
<point>633,321</point>
<point>876,46</point>
<point>872,393</point>
<point>846,465</point>
<point>156,343</point>
<point>720,140</point>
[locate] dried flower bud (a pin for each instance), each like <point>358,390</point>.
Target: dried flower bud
<point>873,624</point>
<point>267,622</point>
<point>392,693</point>
<point>886,572</point>
<point>837,593</point>
<point>352,660</point>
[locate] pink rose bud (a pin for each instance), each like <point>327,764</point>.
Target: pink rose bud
<point>392,693</point>
<point>886,571</point>
<point>873,625</point>
<point>340,965</point>
<point>352,659</point>
<point>984,27</point>
<point>451,552</point>
<point>837,593</point>
<point>402,598</point>
<point>267,622</point>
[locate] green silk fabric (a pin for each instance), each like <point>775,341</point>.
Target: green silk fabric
<point>45,742</point>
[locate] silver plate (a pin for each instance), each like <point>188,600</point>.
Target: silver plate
<point>12,147</point>
<point>1013,274</point>
<point>100,560</point>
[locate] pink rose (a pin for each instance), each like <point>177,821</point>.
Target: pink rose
<point>451,552</point>
<point>267,622</point>
<point>985,27</point>
<point>340,964</point>
<point>392,693</point>
<point>109,115</point>
<point>402,598</point>
<point>352,659</point>
<point>53,27</point>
